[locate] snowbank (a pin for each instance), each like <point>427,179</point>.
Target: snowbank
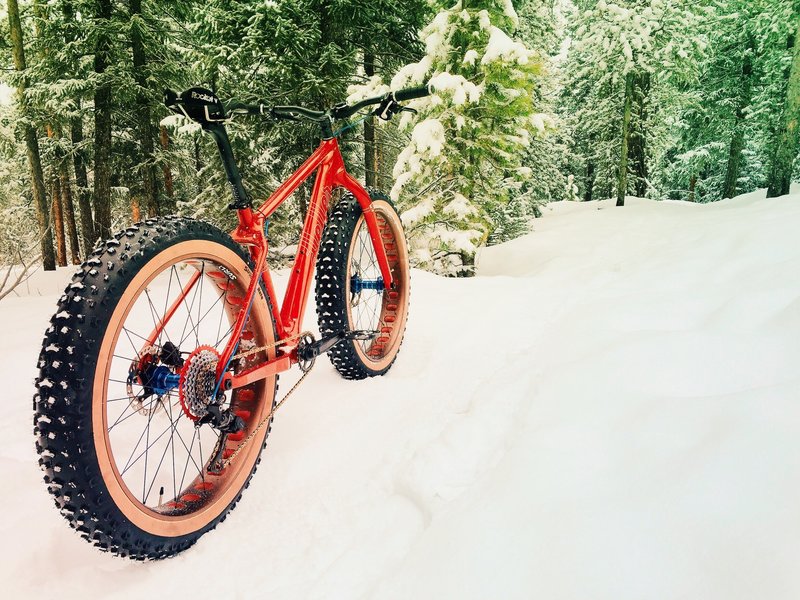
<point>608,411</point>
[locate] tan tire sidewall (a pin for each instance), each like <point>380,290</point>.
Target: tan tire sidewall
<point>141,516</point>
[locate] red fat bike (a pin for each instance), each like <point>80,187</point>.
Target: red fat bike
<point>158,373</point>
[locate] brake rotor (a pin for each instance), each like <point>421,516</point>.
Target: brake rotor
<point>198,381</point>
<point>148,357</point>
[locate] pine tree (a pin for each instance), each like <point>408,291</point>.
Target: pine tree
<point>31,140</point>
<point>464,162</point>
<point>622,56</point>
<point>727,120</point>
<point>548,154</point>
<point>785,152</point>
<point>102,119</point>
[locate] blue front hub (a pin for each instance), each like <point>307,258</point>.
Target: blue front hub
<point>357,284</point>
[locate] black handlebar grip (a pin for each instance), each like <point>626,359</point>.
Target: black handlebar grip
<point>234,106</point>
<point>411,94</point>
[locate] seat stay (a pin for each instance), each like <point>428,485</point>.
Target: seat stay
<point>365,201</point>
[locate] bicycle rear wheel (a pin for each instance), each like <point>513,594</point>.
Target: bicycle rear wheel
<point>125,452</point>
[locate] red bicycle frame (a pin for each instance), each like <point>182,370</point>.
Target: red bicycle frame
<point>328,164</point>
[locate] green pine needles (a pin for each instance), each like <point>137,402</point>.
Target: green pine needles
<point>461,179</point>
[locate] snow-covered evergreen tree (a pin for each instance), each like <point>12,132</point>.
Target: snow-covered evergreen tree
<point>542,29</point>
<point>622,55</point>
<point>465,159</point>
<point>727,123</point>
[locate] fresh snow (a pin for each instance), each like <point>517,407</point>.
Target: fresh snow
<point>609,410</point>
<point>503,48</point>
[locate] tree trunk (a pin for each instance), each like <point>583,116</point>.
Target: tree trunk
<point>638,135</point>
<point>79,156</point>
<point>82,185</point>
<point>102,123</point>
<point>622,175</point>
<point>692,186</point>
<point>587,194</point>
<point>370,148</point>
<point>198,164</point>
<point>737,139</point>
<point>69,214</point>
<point>136,214</point>
<point>145,127</point>
<point>58,223</point>
<point>780,177</point>
<point>31,142</point>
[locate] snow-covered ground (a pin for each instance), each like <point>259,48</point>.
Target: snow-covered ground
<point>610,410</point>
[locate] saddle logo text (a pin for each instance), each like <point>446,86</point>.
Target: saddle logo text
<point>204,97</point>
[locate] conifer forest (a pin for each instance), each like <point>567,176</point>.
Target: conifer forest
<point>532,101</point>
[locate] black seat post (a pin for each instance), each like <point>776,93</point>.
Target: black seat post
<point>241,199</point>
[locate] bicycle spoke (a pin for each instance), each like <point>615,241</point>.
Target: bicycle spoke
<point>170,443</point>
<point>148,446</point>
<point>133,333</point>
<point>205,314</point>
<point>200,305</point>
<point>135,448</point>
<point>188,307</point>
<point>226,334</point>
<point>174,490</point>
<point>146,454</point>
<point>120,419</point>
<point>156,320</point>
<point>224,297</point>
<point>125,382</point>
<point>166,303</point>
<point>188,458</point>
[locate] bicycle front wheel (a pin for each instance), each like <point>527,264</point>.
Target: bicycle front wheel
<point>350,294</point>
<point>128,454</point>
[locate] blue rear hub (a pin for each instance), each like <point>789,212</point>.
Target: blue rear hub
<point>160,380</point>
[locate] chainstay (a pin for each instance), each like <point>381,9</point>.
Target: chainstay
<point>282,342</point>
<point>226,462</point>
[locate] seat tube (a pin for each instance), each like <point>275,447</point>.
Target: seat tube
<point>241,199</point>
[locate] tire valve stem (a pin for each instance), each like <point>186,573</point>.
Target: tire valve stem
<point>161,495</point>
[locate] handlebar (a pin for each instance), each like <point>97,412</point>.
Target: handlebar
<point>343,111</point>
<point>412,93</point>
<point>196,102</point>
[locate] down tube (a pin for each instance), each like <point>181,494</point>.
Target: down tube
<point>294,302</point>
<point>365,201</point>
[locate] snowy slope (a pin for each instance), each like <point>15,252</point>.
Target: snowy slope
<point>610,410</point>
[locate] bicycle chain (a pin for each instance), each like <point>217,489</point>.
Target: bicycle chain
<point>226,462</point>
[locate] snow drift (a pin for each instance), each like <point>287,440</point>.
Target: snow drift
<point>609,410</point>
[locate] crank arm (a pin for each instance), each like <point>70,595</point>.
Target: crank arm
<point>311,351</point>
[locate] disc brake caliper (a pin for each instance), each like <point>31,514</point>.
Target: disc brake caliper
<point>156,371</point>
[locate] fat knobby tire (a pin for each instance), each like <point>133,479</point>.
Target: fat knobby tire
<point>331,287</point>
<point>63,400</point>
